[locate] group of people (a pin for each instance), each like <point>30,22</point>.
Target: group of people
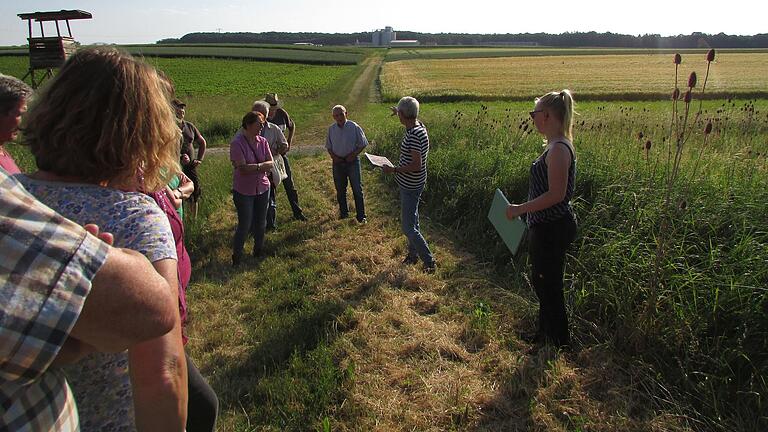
<point>94,268</point>
<point>97,320</point>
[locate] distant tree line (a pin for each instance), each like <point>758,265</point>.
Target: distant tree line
<point>576,39</point>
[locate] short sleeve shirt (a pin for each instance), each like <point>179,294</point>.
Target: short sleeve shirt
<point>189,134</point>
<point>415,139</point>
<point>343,140</point>
<point>100,381</point>
<point>47,265</point>
<point>241,150</point>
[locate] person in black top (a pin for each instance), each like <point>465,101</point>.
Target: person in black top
<point>550,217</point>
<point>279,116</point>
<point>189,135</point>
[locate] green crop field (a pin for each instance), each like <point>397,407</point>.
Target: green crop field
<point>273,53</point>
<point>218,91</point>
<point>616,76</point>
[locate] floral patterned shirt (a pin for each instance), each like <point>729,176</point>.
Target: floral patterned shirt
<point>100,382</point>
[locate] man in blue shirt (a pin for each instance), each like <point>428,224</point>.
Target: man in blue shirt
<point>344,143</point>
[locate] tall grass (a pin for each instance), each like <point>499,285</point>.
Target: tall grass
<point>697,316</point>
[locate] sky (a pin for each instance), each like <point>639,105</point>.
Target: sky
<point>144,21</point>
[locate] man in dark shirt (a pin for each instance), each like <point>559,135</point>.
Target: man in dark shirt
<point>190,135</point>
<point>278,116</point>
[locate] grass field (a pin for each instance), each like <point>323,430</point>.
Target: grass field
<point>596,77</point>
<point>696,312</point>
<point>443,52</point>
<point>270,53</point>
<point>329,332</point>
<point>218,91</point>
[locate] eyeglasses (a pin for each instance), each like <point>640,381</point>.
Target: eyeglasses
<point>533,113</point>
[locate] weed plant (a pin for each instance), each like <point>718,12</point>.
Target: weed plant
<point>694,314</point>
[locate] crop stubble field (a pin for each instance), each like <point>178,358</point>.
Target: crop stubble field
<point>594,76</point>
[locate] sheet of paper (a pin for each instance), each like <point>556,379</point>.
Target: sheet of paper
<point>378,160</point>
<point>511,231</point>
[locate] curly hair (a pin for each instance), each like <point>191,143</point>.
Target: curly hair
<point>12,91</point>
<point>106,118</point>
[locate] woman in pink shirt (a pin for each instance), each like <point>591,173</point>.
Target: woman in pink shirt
<point>13,105</point>
<point>252,162</point>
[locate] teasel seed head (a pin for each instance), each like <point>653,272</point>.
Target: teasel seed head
<point>678,59</point>
<point>687,97</point>
<point>676,94</point>
<point>692,80</point>
<point>708,128</point>
<point>711,55</point>
<point>648,145</point>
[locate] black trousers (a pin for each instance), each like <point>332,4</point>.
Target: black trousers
<point>203,405</point>
<point>290,190</point>
<point>548,243</point>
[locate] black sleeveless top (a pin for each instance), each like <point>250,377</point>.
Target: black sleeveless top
<point>539,183</point>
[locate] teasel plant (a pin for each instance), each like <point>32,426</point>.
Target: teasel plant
<point>681,129</point>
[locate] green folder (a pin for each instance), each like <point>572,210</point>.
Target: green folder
<point>511,231</point>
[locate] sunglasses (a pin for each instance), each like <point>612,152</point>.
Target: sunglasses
<point>533,113</point>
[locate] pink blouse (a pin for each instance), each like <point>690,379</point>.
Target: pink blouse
<point>8,164</point>
<point>241,150</point>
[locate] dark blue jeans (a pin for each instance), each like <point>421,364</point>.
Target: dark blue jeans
<point>342,172</point>
<point>251,218</point>
<point>548,243</point>
<point>409,219</point>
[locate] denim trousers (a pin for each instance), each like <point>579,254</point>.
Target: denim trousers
<point>293,197</point>
<point>342,172</point>
<point>409,219</point>
<point>251,218</point>
<point>548,244</point>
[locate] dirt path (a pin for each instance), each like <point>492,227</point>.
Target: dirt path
<point>362,91</point>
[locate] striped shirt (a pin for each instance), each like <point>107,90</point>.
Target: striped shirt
<point>47,264</point>
<point>539,183</point>
<point>416,138</point>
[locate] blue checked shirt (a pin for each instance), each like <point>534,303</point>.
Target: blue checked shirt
<point>46,267</point>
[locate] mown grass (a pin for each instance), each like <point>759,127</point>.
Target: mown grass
<point>591,77</point>
<point>696,312</point>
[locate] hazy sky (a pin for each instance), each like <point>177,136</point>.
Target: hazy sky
<point>143,21</point>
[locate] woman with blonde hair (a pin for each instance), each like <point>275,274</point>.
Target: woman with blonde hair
<point>550,216</point>
<point>101,131</point>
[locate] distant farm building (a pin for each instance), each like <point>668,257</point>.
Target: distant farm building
<point>388,37</point>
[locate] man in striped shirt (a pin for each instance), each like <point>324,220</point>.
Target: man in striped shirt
<point>344,143</point>
<point>411,176</point>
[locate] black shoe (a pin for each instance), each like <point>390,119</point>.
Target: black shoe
<point>236,260</point>
<point>300,217</point>
<point>534,338</point>
<point>362,221</point>
<point>411,260</point>
<point>257,253</point>
<point>271,228</point>
<point>430,267</point>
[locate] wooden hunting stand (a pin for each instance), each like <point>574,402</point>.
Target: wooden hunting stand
<point>47,53</point>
